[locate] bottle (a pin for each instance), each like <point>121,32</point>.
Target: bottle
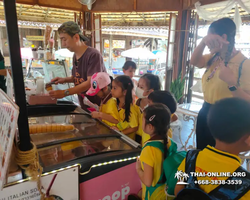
<point>48,86</point>
<point>39,86</point>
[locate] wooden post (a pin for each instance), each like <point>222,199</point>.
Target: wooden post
<point>110,51</point>
<point>170,51</point>
<point>186,41</point>
<point>92,27</point>
<point>183,42</point>
<point>177,46</point>
<point>192,40</point>
<point>135,5</point>
<point>88,26</point>
<point>167,77</point>
<point>75,17</point>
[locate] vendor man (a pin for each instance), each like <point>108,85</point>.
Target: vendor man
<point>86,62</point>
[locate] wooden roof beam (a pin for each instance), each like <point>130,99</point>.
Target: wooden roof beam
<point>123,19</point>
<point>20,11</point>
<point>46,15</point>
<point>120,6</point>
<point>136,5</point>
<point>144,18</point>
<point>66,5</point>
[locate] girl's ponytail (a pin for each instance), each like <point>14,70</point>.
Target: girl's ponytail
<point>126,84</point>
<point>231,39</point>
<point>128,101</point>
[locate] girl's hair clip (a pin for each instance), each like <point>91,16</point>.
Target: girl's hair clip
<point>151,118</point>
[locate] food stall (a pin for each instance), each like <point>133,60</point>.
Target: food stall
<point>74,139</point>
<point>61,155</point>
<point>100,152</point>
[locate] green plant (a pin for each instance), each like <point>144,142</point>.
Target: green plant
<point>177,88</point>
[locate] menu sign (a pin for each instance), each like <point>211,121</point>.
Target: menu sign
<point>9,84</point>
<point>35,38</point>
<point>63,185</point>
<point>9,112</point>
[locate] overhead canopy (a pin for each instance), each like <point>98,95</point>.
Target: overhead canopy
<point>37,13</point>
<point>136,18</point>
<point>119,6</point>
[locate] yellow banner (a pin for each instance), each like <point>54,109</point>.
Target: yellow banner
<point>35,38</point>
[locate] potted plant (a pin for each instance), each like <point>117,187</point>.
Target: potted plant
<point>177,88</point>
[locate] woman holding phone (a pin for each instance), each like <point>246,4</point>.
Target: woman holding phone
<point>227,73</point>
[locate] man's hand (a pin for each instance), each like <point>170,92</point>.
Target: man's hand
<point>3,72</point>
<point>58,80</point>
<point>58,94</point>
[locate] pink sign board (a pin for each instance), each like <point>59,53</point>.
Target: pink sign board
<point>115,185</point>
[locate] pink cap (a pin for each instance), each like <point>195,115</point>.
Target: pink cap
<point>98,81</point>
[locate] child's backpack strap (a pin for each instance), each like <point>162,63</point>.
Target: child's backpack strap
<point>232,189</point>
<point>240,71</point>
<point>190,167</point>
<point>155,143</point>
<point>191,160</point>
<point>160,145</point>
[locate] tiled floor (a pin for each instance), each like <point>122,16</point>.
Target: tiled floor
<point>186,130</point>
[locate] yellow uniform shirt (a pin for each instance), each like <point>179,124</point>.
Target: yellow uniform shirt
<point>133,120</point>
<point>153,157</point>
<point>213,160</point>
<point>215,89</point>
<point>110,107</point>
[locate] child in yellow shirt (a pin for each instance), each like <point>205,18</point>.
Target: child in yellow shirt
<point>129,69</point>
<point>228,121</point>
<point>168,100</point>
<point>147,84</point>
<point>101,86</point>
<point>122,88</point>
<point>156,122</point>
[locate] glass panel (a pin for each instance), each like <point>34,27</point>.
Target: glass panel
<point>83,125</point>
<point>119,44</point>
<point>71,150</point>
